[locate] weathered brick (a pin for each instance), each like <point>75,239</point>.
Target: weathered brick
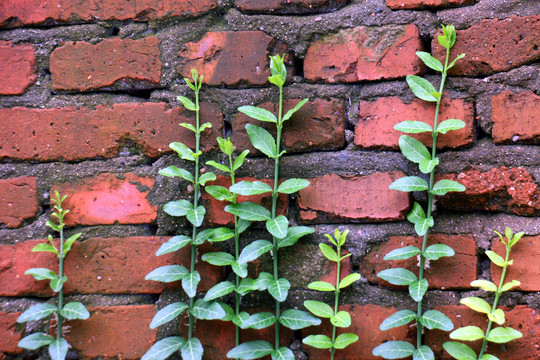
<point>521,318</point>
<point>82,66</point>
<point>501,189</point>
<point>34,12</point>
<point>511,43</point>
<point>99,266</point>
<point>18,200</point>
<point>358,198</point>
<point>18,70</point>
<point>221,61</point>
<point>288,6</point>
<point>365,323</point>
<point>375,127</point>
<point>364,53</point>
<point>454,272</point>
<point>108,199</point>
<point>71,133</point>
<point>10,333</point>
<point>318,125</point>
<point>215,210</point>
<point>525,268</point>
<point>114,332</point>
<point>515,118</point>
<point>422,4</point>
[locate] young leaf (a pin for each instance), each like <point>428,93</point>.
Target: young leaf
<point>417,289</point>
<point>239,269</point>
<point>495,258</point>
<point>402,253</point>
<point>460,56</point>
<point>206,177</point>
<point>398,319</point>
<point>190,282</point>
<point>291,186</point>
<point>328,252</point>
<point>501,335</point>
<point>450,124</point>
<point>278,226</point>
<point>510,285</point>
<point>196,216</point>
<point>413,149</point>
<point>218,258</point>
<point>173,171</point>
<point>35,341</point>
<point>75,311</point>
<point>188,104</point>
<point>57,284</point>
<point>283,353</point>
<point>164,348</point>
<point>319,309</point>
<point>459,351</point>
<point>254,250</point>
<point>258,113</point>
<point>168,313</point>
<point>433,319</point>
<point>250,188</point>
<point>344,340</point>
<point>409,183</point>
<point>341,319</point>
<point>430,61</point>
<point>205,126</point>
<point>58,349</point>
<point>37,312</point>
<point>192,349</point>
<point>485,285</point>
<point>53,226</point>
<point>261,283</point>
<point>177,208</point>
<point>41,274</point>
<point>221,289</point>
<point>394,350</point>
<point>321,286</point>
<point>189,126</point>
<point>207,310</point>
<point>220,234</point>
<point>279,289</point>
<point>348,280</point>
<point>398,276</point>
<point>477,304</point>
<point>467,333</point>
<point>174,244</point>
<point>489,357</point>
<point>422,226</point>
<point>69,242</point>
<point>249,211</point>
<point>298,319</point>
<point>421,88</point>
<point>183,151</point>
<point>417,213</point>
<point>426,166</point>
<point>262,140</point>
<point>413,127</point>
<point>45,247</point>
<point>423,353</point>
<point>242,225</point>
<point>246,285</point>
<point>240,160</point>
<point>318,341</point>
<point>251,350</point>
<point>259,321</point>
<point>167,273</point>
<point>293,110</point>
<point>293,234</point>
<point>218,166</point>
<point>497,316</point>
<point>437,251</point>
<point>442,187</point>
<point>219,192</point>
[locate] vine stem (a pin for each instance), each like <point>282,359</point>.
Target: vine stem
<point>60,276</point>
<point>236,254</point>
<point>336,299</point>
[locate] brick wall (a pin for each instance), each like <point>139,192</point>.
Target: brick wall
<point>88,106</point>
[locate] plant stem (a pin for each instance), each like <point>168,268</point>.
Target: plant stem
<point>336,299</point>
<point>236,254</point>
<point>60,276</point>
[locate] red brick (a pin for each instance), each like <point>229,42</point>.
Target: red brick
<point>10,333</point>
<point>114,332</point>
<point>515,118</point>
<point>108,199</point>
<point>422,4</point>
<point>318,125</point>
<point>81,66</point>
<point>71,133</point>
<point>365,323</point>
<point>526,267</point>
<point>18,200</point>
<point>501,189</point>
<point>375,128</point>
<point>364,53</point>
<point>215,210</point>
<point>511,43</point>
<point>98,266</point>
<point>454,272</point>
<point>358,198</point>
<point>33,12</point>
<point>520,318</point>
<point>221,61</point>
<point>287,6</point>
<point>19,69</point>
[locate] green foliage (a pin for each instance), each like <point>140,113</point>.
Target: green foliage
<point>416,152</point>
<point>58,347</point>
<point>499,335</point>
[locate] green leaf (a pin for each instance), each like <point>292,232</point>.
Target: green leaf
<point>489,357</point>
<point>295,109</point>
<point>495,258</point>
<point>177,208</point>
<point>167,273</point>
<point>321,286</point>
<point>220,234</point>
<point>421,88</point>
<point>497,316</point>
<point>239,269</point>
<point>221,289</point>
<point>229,312</point>
<point>348,280</point>
<point>442,187</point>
<point>57,284</point>
<point>259,321</point>
<point>41,274</point>
<point>467,333</point>
<point>168,313</point>
<point>344,340</point>
<point>207,310</point>
<point>258,113</point>
<point>218,166</point>
<point>262,140</point>
<point>190,282</point>
<point>218,258</point>
<point>242,225</point>
<point>192,349</point>
<point>58,349</point>
<point>328,252</point>
<point>298,319</point>
<point>164,348</point>
<point>459,351</point>
<point>35,341</point>
<point>173,244</point>
<point>426,166</point>
<point>250,188</point>
<point>276,80</point>
<point>75,311</point>
<point>37,312</point>
<point>319,309</point>
<point>254,250</point>
<point>246,285</point>
<point>219,192</point>
<point>318,341</point>
<point>502,335</point>
<point>183,151</point>
<point>398,276</point>
<point>69,242</point>
<point>450,124</point>
<point>423,353</point>
<point>430,61</point>
<point>239,319</point>
<point>417,289</point>
<point>437,251</point>
<point>417,213</point>
<point>477,304</point>
<point>283,353</point>
<point>53,226</point>
<point>433,319</point>
<point>262,281</point>
<point>206,177</point>
<point>413,149</point>
<point>515,238</point>
<point>413,127</point>
<point>485,285</point>
<point>409,183</point>
<point>196,216</point>
<point>205,126</point>
<point>460,56</point>
<point>189,126</point>
<point>279,289</point>
<point>394,350</point>
<point>45,247</point>
<point>173,171</point>
<point>188,104</point>
<point>293,234</point>
<point>423,226</point>
<point>510,285</point>
<point>402,253</point>
<point>249,211</point>
<point>291,186</point>
<point>341,319</point>
<point>240,160</point>
<point>251,350</point>
<point>278,226</point>
<point>398,319</point>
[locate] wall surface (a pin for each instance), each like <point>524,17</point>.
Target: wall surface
<point>88,106</point>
